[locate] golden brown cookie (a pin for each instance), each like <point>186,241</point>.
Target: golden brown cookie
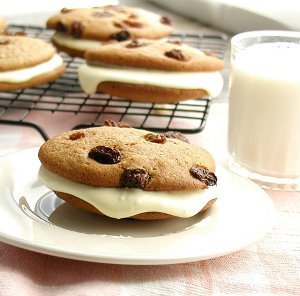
<point>159,55</point>
<point>116,156</point>
<point>76,29</point>
<point>26,62</point>
<point>151,71</point>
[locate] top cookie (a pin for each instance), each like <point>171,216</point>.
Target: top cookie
<point>111,156</point>
<point>17,52</point>
<point>110,22</point>
<point>161,55</point>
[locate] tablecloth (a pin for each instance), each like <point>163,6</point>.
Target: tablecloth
<point>270,266</point>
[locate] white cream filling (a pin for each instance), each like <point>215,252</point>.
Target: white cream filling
<point>91,76</point>
<point>25,74</point>
<point>75,43</point>
<point>124,202</point>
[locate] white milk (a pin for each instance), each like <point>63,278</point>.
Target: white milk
<point>264,110</point>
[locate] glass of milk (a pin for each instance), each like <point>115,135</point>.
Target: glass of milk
<point>264,108</point>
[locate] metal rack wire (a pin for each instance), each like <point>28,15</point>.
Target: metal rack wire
<point>24,107</point>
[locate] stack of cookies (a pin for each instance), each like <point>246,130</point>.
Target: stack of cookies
<point>128,55</point>
<point>126,51</point>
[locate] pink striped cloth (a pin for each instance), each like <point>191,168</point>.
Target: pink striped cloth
<point>269,267</point>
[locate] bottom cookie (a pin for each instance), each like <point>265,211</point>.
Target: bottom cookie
<point>148,93</point>
<point>70,51</point>
<point>81,204</point>
<point>38,80</point>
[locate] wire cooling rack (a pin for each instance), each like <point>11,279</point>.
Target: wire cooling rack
<point>44,107</point>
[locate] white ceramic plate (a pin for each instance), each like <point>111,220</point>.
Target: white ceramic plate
<point>34,218</point>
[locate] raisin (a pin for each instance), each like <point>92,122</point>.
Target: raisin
<point>133,24</point>
<point>3,42</point>
<point>102,14</point>
<point>76,136</point>
<point>203,175</point>
<point>115,124</point>
<point>120,24</point>
<point>105,155</point>
<point>77,29</point>
<point>165,20</point>
<point>176,42</point>
<point>135,178</point>
<point>121,36</point>
<point>211,53</point>
<point>66,10</point>
<point>61,27</point>
<point>135,44</point>
<point>155,138</point>
<point>133,16</point>
<point>18,33</point>
<point>176,135</point>
<point>177,54</point>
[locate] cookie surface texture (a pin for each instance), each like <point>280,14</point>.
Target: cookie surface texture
<point>164,163</point>
<point>165,56</point>
<point>107,23</point>
<point>18,52</point>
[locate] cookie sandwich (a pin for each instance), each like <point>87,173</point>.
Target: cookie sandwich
<point>122,172</point>
<point>151,71</point>
<point>78,30</point>
<point>27,62</point>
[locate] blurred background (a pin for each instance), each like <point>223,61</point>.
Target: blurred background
<point>231,16</point>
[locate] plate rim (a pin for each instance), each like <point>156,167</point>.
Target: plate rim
<point>130,259</point>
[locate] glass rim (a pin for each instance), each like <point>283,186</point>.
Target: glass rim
<point>263,33</point>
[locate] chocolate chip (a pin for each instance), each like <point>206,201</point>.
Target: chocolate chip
<point>135,44</point>
<point>105,155</point>
<point>155,138</point>
<point>203,175</point>
<point>77,29</point>
<point>135,178</point>
<point>120,36</point>
<point>61,27</point>
<point>101,14</point>
<point>177,136</point>
<point>3,42</point>
<point>166,20</point>
<point>177,54</point>
<point>133,24</point>
<point>76,136</point>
